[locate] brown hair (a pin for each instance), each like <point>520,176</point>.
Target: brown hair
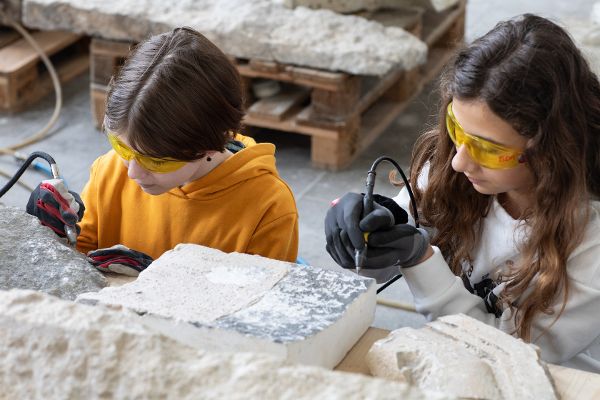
<point>530,73</point>
<point>177,96</point>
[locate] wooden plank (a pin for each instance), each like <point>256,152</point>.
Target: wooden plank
<point>408,18</point>
<point>437,25</point>
<point>20,54</point>
<point>266,66</point>
<point>28,89</point>
<point>437,58</point>
<point>279,106</point>
<point>308,118</point>
<point>113,48</point>
<point>290,124</point>
<point>376,120</point>
<point>98,104</point>
<point>335,154</point>
<point>298,76</point>
<point>355,359</point>
<point>337,105</point>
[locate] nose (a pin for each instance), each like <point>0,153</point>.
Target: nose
<point>134,170</point>
<point>462,161</point>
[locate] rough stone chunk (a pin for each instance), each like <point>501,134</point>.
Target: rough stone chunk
<point>586,34</point>
<point>259,29</point>
<point>53,349</point>
<point>33,257</point>
<point>207,298</point>
<point>464,357</point>
<point>348,6</point>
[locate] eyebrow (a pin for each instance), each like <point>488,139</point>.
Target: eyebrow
<point>488,140</point>
<point>479,136</point>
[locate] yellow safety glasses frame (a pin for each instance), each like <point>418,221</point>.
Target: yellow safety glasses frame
<point>152,164</point>
<point>485,153</point>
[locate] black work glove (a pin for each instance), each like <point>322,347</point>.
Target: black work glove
<point>342,230</point>
<point>119,259</point>
<point>402,245</point>
<point>55,206</point>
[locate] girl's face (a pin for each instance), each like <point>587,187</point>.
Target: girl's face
<point>158,183</point>
<point>478,119</point>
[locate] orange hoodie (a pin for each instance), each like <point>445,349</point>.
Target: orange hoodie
<point>242,205</point>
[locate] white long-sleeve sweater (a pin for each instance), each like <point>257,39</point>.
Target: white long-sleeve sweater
<point>573,340</point>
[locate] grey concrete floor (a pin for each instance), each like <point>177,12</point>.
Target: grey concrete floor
<point>75,144</point>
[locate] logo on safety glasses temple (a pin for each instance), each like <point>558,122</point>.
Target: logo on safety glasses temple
<point>506,158</point>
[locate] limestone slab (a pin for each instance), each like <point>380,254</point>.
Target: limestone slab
<point>586,34</point>
<point>54,349</point>
<point>464,357</point>
<point>33,257</point>
<point>258,29</point>
<point>206,298</point>
<point>349,6</point>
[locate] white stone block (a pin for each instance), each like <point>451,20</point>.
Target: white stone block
<point>463,357</point>
<point>55,349</point>
<point>210,299</point>
<point>260,29</point>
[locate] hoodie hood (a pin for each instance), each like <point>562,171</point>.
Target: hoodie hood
<point>252,162</point>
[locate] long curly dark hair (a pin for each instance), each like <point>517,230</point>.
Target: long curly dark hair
<point>529,73</point>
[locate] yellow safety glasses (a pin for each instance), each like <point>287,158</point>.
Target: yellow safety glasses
<point>485,153</point>
<point>152,164</point>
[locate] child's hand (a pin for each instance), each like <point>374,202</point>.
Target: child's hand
<point>345,226</point>
<point>119,259</point>
<point>55,206</point>
<point>402,245</point>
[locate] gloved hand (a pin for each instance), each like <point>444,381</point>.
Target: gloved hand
<point>402,245</point>
<point>342,230</point>
<point>119,259</point>
<point>55,206</point>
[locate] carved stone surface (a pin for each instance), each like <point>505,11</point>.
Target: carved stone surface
<point>463,357</point>
<point>204,297</point>
<point>348,6</point>
<point>12,8</point>
<point>33,257</point>
<point>53,349</point>
<point>260,29</point>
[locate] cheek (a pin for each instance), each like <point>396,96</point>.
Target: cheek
<point>175,178</point>
<point>518,178</point>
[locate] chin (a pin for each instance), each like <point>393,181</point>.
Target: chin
<point>153,190</point>
<point>484,190</point>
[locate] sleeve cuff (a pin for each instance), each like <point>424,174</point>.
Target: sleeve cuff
<point>431,278</point>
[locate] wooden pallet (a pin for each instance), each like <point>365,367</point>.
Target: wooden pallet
<point>24,78</point>
<point>342,113</point>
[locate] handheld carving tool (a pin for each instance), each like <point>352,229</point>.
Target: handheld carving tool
<point>361,255</point>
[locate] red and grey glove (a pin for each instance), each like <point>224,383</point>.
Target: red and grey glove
<point>55,206</point>
<point>119,259</point>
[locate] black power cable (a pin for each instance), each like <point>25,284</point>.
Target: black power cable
<point>370,185</point>
<point>26,163</point>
